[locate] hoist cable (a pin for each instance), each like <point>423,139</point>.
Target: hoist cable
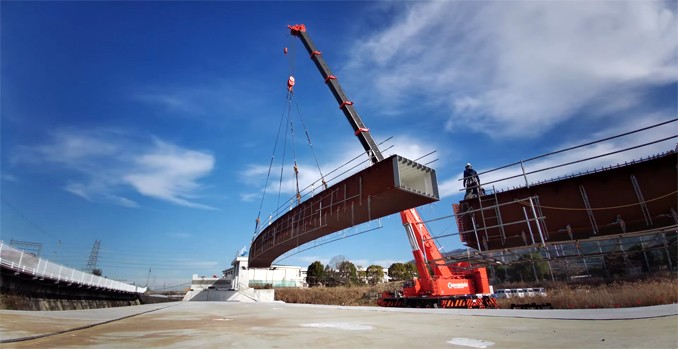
<point>293,44</point>
<point>282,161</point>
<point>270,166</point>
<point>294,156</point>
<point>310,144</point>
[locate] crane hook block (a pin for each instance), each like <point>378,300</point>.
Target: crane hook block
<point>285,50</point>
<point>290,83</point>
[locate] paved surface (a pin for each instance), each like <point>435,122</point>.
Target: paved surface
<point>279,325</point>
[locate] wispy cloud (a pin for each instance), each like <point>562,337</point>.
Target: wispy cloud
<point>202,99</point>
<point>516,69</point>
<point>180,235</point>
<point>250,197</point>
<point>102,165</point>
<point>308,260</point>
<point>168,172</point>
<point>8,177</point>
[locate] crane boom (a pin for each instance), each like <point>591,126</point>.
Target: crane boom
<point>361,131</point>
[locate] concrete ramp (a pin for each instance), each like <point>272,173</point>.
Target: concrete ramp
<point>222,290</point>
<point>248,295</point>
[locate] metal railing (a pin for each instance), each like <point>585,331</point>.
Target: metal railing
<point>524,173</point>
<point>25,263</point>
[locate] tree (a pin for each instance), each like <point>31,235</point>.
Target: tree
<point>411,269</point>
<point>348,273</point>
<point>315,274</point>
<point>336,261</point>
<point>375,273</point>
<point>527,267</point>
<point>331,277</point>
<point>362,274</point>
<point>397,272</point>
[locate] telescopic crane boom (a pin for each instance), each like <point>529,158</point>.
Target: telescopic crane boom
<point>346,106</point>
<point>447,287</point>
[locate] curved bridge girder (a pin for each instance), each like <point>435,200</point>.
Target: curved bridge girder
<point>389,186</point>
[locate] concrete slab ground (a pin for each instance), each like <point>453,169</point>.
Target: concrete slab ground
<point>280,325</point>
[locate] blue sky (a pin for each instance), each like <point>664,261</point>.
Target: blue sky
<point>150,125</point>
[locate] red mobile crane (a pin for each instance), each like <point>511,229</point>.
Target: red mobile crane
<point>455,285</point>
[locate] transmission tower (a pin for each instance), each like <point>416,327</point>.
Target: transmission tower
<point>93,256</point>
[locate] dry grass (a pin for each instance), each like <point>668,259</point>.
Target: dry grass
<point>621,294</point>
<point>618,294</point>
<point>355,295</point>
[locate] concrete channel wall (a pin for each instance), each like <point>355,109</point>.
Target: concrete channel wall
<point>31,283</point>
<point>26,263</point>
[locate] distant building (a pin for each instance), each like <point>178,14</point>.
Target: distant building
<point>276,276</point>
<point>362,275</point>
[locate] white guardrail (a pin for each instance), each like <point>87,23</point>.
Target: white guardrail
<point>28,264</point>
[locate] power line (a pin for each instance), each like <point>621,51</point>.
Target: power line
<point>584,145</point>
<point>31,222</point>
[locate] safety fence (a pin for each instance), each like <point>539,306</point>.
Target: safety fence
<point>25,263</point>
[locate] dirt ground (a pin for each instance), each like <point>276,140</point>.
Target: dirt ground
<point>280,325</point>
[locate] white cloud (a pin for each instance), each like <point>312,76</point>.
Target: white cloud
<point>180,235</point>
<point>71,147</point>
<point>170,102</point>
<point>308,260</point>
<point>203,98</point>
<point>9,178</point>
<point>385,263</point>
<point>413,148</point>
<point>169,173</point>
<point>102,165</point>
<point>250,197</point>
<point>519,68</point>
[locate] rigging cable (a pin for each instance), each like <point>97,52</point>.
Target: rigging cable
<point>296,168</point>
<point>310,144</point>
<point>268,175</point>
<point>282,161</point>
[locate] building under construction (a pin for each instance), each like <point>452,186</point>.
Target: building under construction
<point>628,210</point>
<point>635,197</point>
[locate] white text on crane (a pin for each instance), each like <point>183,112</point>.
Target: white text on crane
<point>456,285</point>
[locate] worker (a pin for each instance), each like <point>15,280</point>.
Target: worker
<point>471,182</point>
